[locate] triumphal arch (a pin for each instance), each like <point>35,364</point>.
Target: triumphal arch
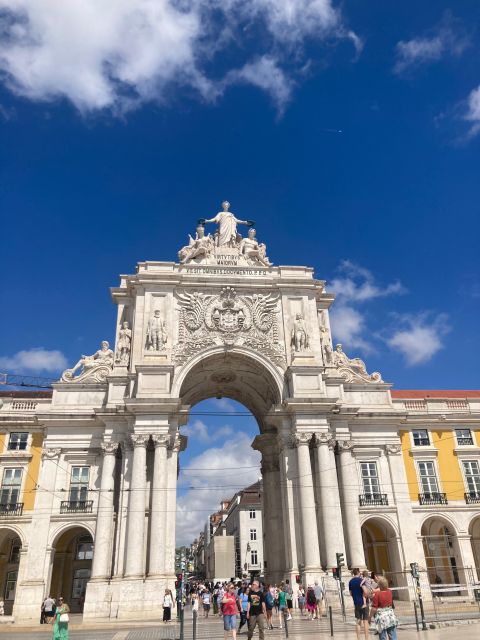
<point>222,321</point>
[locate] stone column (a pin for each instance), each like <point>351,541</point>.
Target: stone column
<point>308,514</point>
<point>158,516</point>
<point>331,526</point>
<point>136,509</point>
<point>349,493</point>
<point>288,473</point>
<point>172,472</point>
<point>102,556</point>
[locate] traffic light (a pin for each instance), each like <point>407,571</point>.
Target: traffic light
<point>335,573</point>
<point>340,560</point>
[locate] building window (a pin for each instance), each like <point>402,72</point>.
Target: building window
<point>18,441</point>
<point>79,484</point>
<point>11,484</point>
<point>428,477</point>
<point>10,585</point>
<point>253,514</point>
<point>80,579</point>
<point>253,534</point>
<point>14,557</point>
<point>84,548</point>
<point>420,438</point>
<point>464,437</point>
<point>253,557</point>
<point>472,476</point>
<point>371,484</point>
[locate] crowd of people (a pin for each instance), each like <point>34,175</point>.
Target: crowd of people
<point>373,600</point>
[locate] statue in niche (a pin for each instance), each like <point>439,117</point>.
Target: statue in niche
<point>300,340</point>
<point>200,247</point>
<point>252,249</point>
<point>226,235</point>
<point>156,333</point>
<point>96,366</point>
<point>328,352</point>
<point>124,345</point>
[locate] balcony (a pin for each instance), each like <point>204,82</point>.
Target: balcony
<point>373,499</point>
<point>432,498</point>
<point>472,497</point>
<point>11,509</point>
<point>76,506</point>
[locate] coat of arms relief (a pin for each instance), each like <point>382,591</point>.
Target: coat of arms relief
<point>228,319</point>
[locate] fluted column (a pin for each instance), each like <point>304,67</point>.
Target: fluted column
<point>172,472</point>
<point>102,556</point>
<point>288,474</point>
<point>331,527</point>
<point>158,514</point>
<point>308,515</point>
<point>349,492</point>
<point>136,509</point>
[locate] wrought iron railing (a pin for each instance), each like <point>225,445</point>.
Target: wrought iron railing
<point>76,506</point>
<point>472,497</point>
<point>378,499</point>
<point>11,509</point>
<point>435,497</point>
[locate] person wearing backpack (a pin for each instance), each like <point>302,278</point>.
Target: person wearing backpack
<point>311,603</point>
<point>269,604</point>
<point>289,591</point>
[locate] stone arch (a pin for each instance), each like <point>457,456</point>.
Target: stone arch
<point>474,531</point>
<point>12,541</point>
<point>66,526</point>
<point>238,373</point>
<point>381,546</point>
<point>71,563</point>
<point>442,551</point>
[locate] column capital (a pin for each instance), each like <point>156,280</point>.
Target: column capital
<point>393,449</point>
<point>176,443</point>
<point>109,448</point>
<point>139,440</point>
<point>51,453</point>
<point>160,440</point>
<point>346,445</point>
<point>302,438</point>
<point>324,437</point>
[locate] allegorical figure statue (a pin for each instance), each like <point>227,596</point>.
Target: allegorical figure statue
<point>251,248</point>
<point>200,247</point>
<point>300,339</point>
<point>156,333</point>
<point>124,344</point>
<point>226,235</point>
<point>354,368</point>
<point>102,359</point>
<point>328,351</point>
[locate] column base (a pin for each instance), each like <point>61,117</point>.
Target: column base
<point>126,598</point>
<point>27,598</point>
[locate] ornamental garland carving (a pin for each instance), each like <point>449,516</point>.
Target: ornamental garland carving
<point>227,319</point>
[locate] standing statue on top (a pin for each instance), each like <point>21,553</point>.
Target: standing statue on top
<point>226,235</point>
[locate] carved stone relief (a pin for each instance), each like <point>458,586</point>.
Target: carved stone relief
<point>94,368</point>
<point>352,369</point>
<point>227,319</point>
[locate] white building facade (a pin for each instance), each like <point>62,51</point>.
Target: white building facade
<point>89,497</point>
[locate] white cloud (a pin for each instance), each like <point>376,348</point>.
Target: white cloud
<point>445,39</point>
<point>198,430</point>
<point>348,324</point>
<point>419,339</point>
<point>472,113</point>
<point>36,359</point>
<point>118,55</point>
<point>219,477</point>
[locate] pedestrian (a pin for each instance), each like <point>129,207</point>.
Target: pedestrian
<point>194,600</point>
<point>301,599</point>
<point>289,592</point>
<point>60,626</point>
<point>206,599</point>
<point>215,599</point>
<point>256,611</point>
<point>370,584</point>
<point>382,611</point>
<point>269,604</point>
<point>48,610</point>
<point>282,604</point>
<point>168,604</point>
<point>220,594</point>
<point>229,610</point>
<point>359,595</point>
<point>319,599</point>
<point>243,605</point>
<point>311,602</point>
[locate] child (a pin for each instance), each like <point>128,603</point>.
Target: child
<point>301,600</point>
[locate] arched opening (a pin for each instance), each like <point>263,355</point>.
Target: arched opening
<point>442,553</point>
<point>475,538</point>
<point>72,566</point>
<point>10,547</point>
<point>382,553</point>
<point>230,396</point>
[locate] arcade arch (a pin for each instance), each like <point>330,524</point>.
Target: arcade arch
<point>71,565</point>
<point>10,555</point>
<point>475,538</point>
<point>442,552</point>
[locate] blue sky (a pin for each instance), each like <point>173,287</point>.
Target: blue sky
<point>350,132</point>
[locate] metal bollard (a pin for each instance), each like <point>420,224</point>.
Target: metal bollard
<point>182,617</point>
<point>330,616</point>
<point>194,625</point>
<point>285,620</point>
<point>416,615</point>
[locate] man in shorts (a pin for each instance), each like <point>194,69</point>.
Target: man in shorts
<point>256,611</point>
<point>289,591</point>
<point>206,599</point>
<point>359,597</point>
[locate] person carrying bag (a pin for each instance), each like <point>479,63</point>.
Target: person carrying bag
<point>382,611</point>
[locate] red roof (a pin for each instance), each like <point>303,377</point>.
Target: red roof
<point>26,394</point>
<point>434,393</point>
